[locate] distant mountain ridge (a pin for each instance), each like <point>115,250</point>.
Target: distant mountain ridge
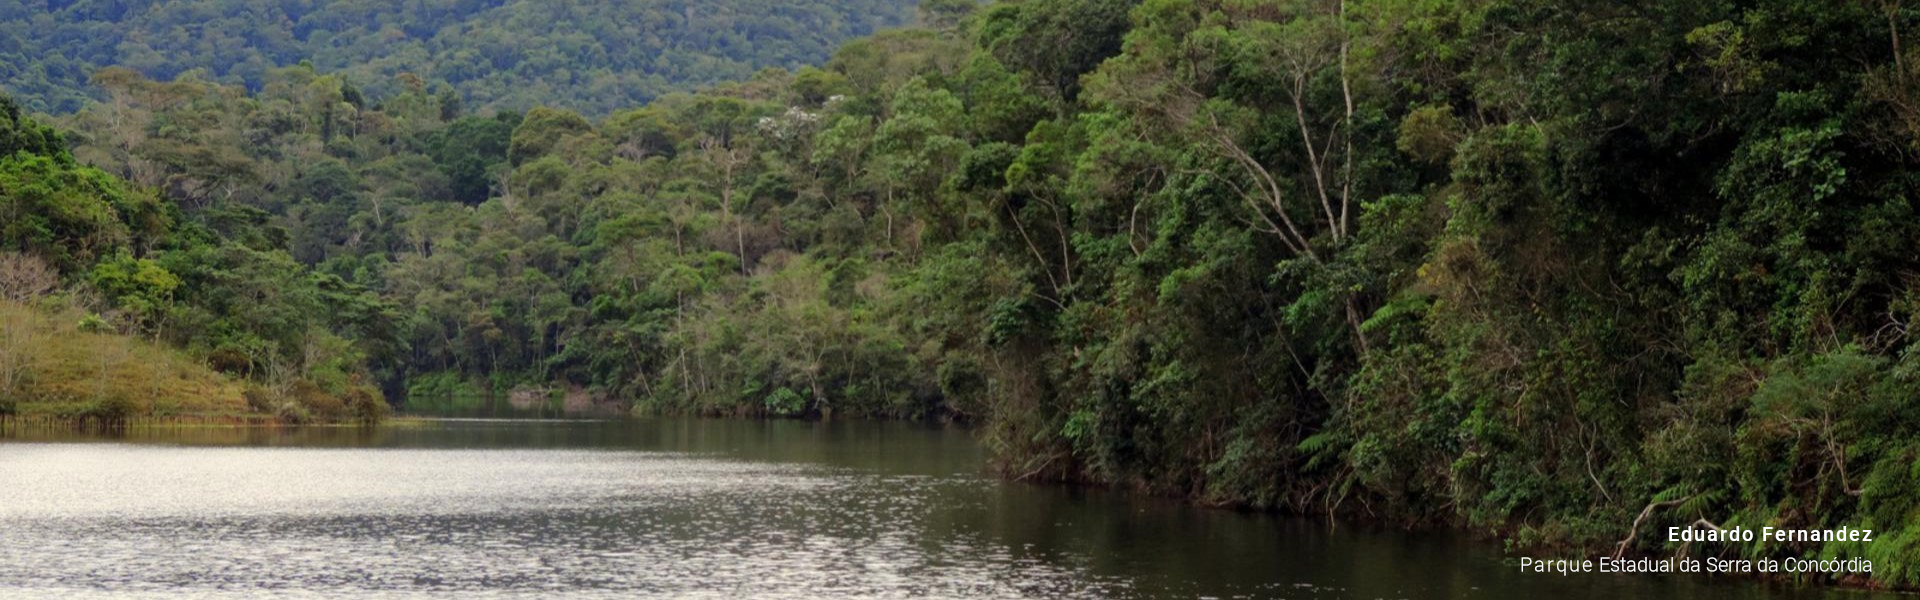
<point>593,57</point>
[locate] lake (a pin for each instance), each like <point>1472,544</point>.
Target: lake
<point>683,508</point>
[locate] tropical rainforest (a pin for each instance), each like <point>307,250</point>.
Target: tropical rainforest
<point>593,56</point>
<point>1565,273</point>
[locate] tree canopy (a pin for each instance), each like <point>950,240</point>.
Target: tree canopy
<point>1538,268</point>
<point>594,57</point>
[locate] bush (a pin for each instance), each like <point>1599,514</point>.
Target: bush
<point>786,402</point>
<point>260,400</point>
<point>365,405</point>
<point>316,401</point>
<point>292,414</point>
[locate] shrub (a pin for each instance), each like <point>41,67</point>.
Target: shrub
<point>786,402</point>
<point>365,405</point>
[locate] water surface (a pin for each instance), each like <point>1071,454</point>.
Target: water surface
<point>677,508</point>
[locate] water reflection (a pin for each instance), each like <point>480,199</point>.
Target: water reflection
<point>673,508</point>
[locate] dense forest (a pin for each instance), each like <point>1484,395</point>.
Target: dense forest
<point>1564,273</point>
<point>512,54</point>
<point>101,281</point>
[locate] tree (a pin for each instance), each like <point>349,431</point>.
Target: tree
<point>25,278</point>
<point>541,130</point>
<point>21,135</point>
<point>1056,41</point>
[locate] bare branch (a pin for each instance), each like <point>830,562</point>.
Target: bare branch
<point>1634,531</point>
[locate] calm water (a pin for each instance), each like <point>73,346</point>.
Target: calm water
<point>675,508</point>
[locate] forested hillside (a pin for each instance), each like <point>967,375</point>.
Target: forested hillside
<point>590,56</point>
<point>1549,270</point>
<point>103,282</point>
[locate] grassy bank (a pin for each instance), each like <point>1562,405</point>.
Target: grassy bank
<point>56,366</point>
<point>50,367</point>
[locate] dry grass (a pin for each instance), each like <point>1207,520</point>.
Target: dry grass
<point>49,366</point>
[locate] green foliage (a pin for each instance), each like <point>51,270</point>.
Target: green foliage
<point>540,131</point>
<point>19,134</point>
<point>222,288</point>
<point>469,152</point>
<point>140,286</point>
<point>786,402</point>
<point>1526,266</point>
<point>592,57</point>
<point>71,215</point>
<point>1055,41</point>
<point>1429,133</point>
<point>443,392</point>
